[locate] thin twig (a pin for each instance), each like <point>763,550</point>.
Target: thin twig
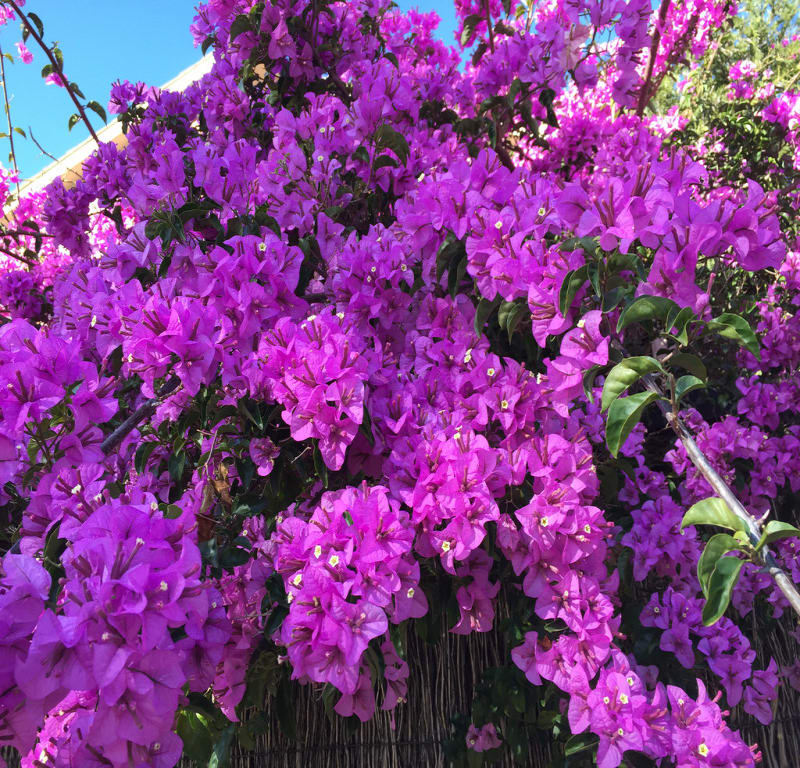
<point>56,67</point>
<point>16,256</point>
<point>643,94</point>
<point>41,148</point>
<point>8,118</point>
<point>489,24</point>
<point>23,233</point>
<point>140,414</point>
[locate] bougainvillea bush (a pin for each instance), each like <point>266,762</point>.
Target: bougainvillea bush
<point>361,328</point>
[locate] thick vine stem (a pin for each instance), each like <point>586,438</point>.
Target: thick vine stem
<point>723,490</point>
<point>8,119</point>
<point>644,93</point>
<point>56,66</point>
<point>140,414</point>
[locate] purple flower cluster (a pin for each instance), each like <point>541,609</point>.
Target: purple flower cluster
<point>316,353</point>
<point>348,571</point>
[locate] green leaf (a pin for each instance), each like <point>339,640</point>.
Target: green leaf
<point>580,742</point>
<point>509,316</point>
<point>385,161</point>
<point>645,308</point>
<point>623,415</point>
<point>720,586</point>
<point>276,617</point>
<point>193,729</point>
<point>718,545</point>
<point>456,275</point>
<point>484,311</point>
<point>679,321</point>
<point>74,119</point>
<point>712,511</point>
<point>468,29</point>
<point>387,137</point>
<point>141,456</point>
<point>587,244</point>
<point>573,282</point>
<point>37,22</point>
<point>625,374</point>
<point>241,24</point>
<point>98,110</point>
<point>736,328</point>
<point>593,273</point>
<point>691,363</point>
<point>220,757</point>
<point>20,132</point>
<point>686,384</point>
<point>776,530</point>
<point>207,43</point>
<point>546,97</point>
<point>588,380</point>
<point>176,465</point>
<point>320,467</point>
<point>449,251</point>
<point>612,298</point>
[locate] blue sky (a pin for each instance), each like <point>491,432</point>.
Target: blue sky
<point>102,41</point>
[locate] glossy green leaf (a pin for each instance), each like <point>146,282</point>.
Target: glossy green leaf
<point>775,530</point>
<point>679,321</point>
<point>623,415</point>
<point>588,380</point>
<point>626,373</point>
<point>736,328</point>
<point>570,287</point>
<point>691,363</point>
<point>720,587</point>
<point>718,545</point>
<point>645,308</point>
<point>686,384</point>
<point>712,511</point>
